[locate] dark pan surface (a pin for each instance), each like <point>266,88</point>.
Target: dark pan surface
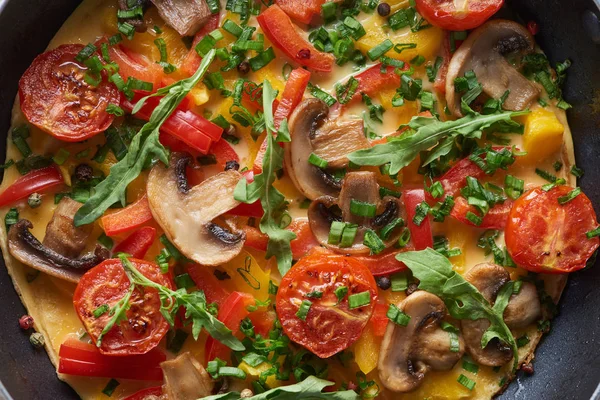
<point>566,364</point>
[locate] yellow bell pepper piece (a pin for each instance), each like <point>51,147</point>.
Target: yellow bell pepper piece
<point>543,135</point>
<point>254,372</point>
<point>366,350</point>
<point>428,40</point>
<point>248,276</point>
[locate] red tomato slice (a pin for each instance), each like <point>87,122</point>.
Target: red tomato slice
<point>146,394</point>
<point>379,320</point>
<point>107,283</point>
<point>547,237</point>
<point>420,235</point>
<point>128,218</point>
<point>328,327</point>
<point>56,98</point>
<point>138,243</point>
<point>206,281</point>
<point>280,30</point>
<point>231,313</point>
<point>496,218</point>
<point>35,181</point>
<point>304,242</point>
<point>301,10</point>
<point>371,81</point>
<point>291,97</point>
<point>443,13</point>
<point>134,65</point>
<point>223,152</point>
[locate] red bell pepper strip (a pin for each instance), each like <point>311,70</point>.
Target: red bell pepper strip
<point>145,394</point>
<point>291,97</point>
<point>496,218</point>
<point>248,210</point>
<point>456,178</point>
<point>304,242</point>
<point>280,30</point>
<point>33,182</point>
<point>384,264</point>
<point>379,320</point>
<point>231,313</point>
<point>301,10</point>
<point>128,218</point>
<point>206,281</point>
<point>84,359</point>
<point>135,65</point>
<point>138,243</point>
<point>192,60</point>
<point>223,152</point>
<point>421,235</point>
<point>372,80</point>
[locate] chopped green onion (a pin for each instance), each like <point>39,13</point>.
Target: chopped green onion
<point>453,332</point>
<point>321,94</point>
<point>340,293</point>
<point>358,300</point>
<point>126,29</point>
<point>232,27</point>
<point>549,186</point>
<point>578,172</point>
<point>436,190</point>
<point>546,175</point>
<point>557,166</point>
<point>19,139</point>
<point>466,382</point>
<point>303,310</point>
<point>432,70</point>
<point>387,230</point>
<point>105,241</point>
<point>135,12</point>
<point>522,341</point>
<point>474,218</point>
<point>317,161</point>
<point>396,316</point>
<point>569,196</point>
<point>362,209</point>
<point>315,295</point>
<point>344,93</point>
<point>335,232</point>
<point>86,52</point>
<point>418,60</point>
<point>98,312</point>
<point>470,366</point>
<point>60,157</point>
<point>513,186</point>
<point>400,47</point>
<point>11,218</point>
<point>328,11</point>
<point>593,233</point>
<point>115,39</point>
<point>273,288</point>
<point>357,30</point>
<point>404,238</point>
<point>383,191</point>
<point>184,281</point>
<point>262,59</point>
<point>115,110</point>
<point>110,387</point>
<point>232,372</point>
<point>373,242</point>
<point>214,6</point>
<point>399,282</point>
<point>348,235</point>
<point>421,213</point>
<point>379,50</point>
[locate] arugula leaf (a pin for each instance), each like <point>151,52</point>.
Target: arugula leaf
<point>145,144</point>
<point>464,301</point>
<point>429,132</point>
<point>310,388</point>
<point>272,201</point>
<point>194,304</point>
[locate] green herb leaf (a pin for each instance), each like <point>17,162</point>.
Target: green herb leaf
<point>144,145</point>
<point>429,132</point>
<point>309,388</point>
<point>463,300</point>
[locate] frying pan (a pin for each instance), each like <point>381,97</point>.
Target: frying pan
<point>567,363</point>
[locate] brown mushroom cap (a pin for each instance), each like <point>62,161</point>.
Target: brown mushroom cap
<point>408,352</point>
<point>187,214</point>
<point>522,309</point>
<point>59,254</point>
<point>186,378</point>
<point>483,52</point>
<point>331,140</point>
<point>360,186</point>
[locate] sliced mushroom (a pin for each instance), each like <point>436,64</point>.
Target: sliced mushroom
<point>185,378</point>
<point>189,215</point>
<point>409,352</point>
<point>185,16</point>
<point>361,186</point>
<point>63,243</point>
<point>522,309</point>
<point>483,52</point>
<point>331,139</point>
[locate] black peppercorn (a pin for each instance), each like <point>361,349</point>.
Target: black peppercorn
<point>243,67</point>
<point>234,165</point>
<point>84,173</point>
<point>383,282</point>
<point>383,9</point>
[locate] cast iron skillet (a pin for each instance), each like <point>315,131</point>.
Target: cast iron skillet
<point>566,364</point>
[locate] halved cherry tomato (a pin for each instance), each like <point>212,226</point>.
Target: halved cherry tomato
<point>444,13</point>
<point>56,98</point>
<point>329,326</point>
<point>128,218</point>
<point>280,30</point>
<point>135,65</point>
<point>304,242</point>
<point>379,320</point>
<point>192,61</point>
<point>33,182</point>
<point>291,97</point>
<point>138,243</point>
<point>106,284</point>
<point>146,394</point>
<point>301,10</point>
<point>545,236</point>
<point>420,235</point>
<point>496,218</point>
<point>231,313</point>
<point>206,281</point>
<point>84,359</point>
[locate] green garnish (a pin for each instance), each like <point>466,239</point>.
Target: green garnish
<point>358,300</point>
<point>396,316</point>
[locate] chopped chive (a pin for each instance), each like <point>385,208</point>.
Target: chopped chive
<point>373,242</point>
<point>110,387</point>
<point>396,316</point>
<point>404,238</point>
<point>61,156</point>
<point>321,94</point>
<point>453,332</point>
<point>317,161</point>
<point>432,70</point>
<point>557,166</point>
<point>362,208</point>
<point>315,294</point>
<point>232,372</point>
<point>303,310</point>
<point>469,366</point>
<point>98,312</point>
<point>546,175</point>
<point>466,382</point>
<point>418,60</point>
<point>335,232</point>
<point>400,47</point>
<point>126,29</point>
<point>340,293</point>
<point>273,288</point>
<point>474,218</point>
<point>387,230</point>
<point>105,241</point>
<point>135,12</point>
<point>513,186</point>
<point>115,110</point>
<point>549,186</point>
<point>232,27</point>
<point>115,39</point>
<point>328,11</point>
<point>399,282</point>
<point>11,218</point>
<point>184,281</point>
<point>578,172</point>
<point>593,233</point>
<point>436,190</point>
<point>359,300</point>
<point>522,341</point>
<point>262,59</point>
<point>379,50</point>
<point>19,139</point>
<point>569,196</point>
<point>86,52</point>
<point>421,213</point>
<point>383,191</point>
<point>348,235</point>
